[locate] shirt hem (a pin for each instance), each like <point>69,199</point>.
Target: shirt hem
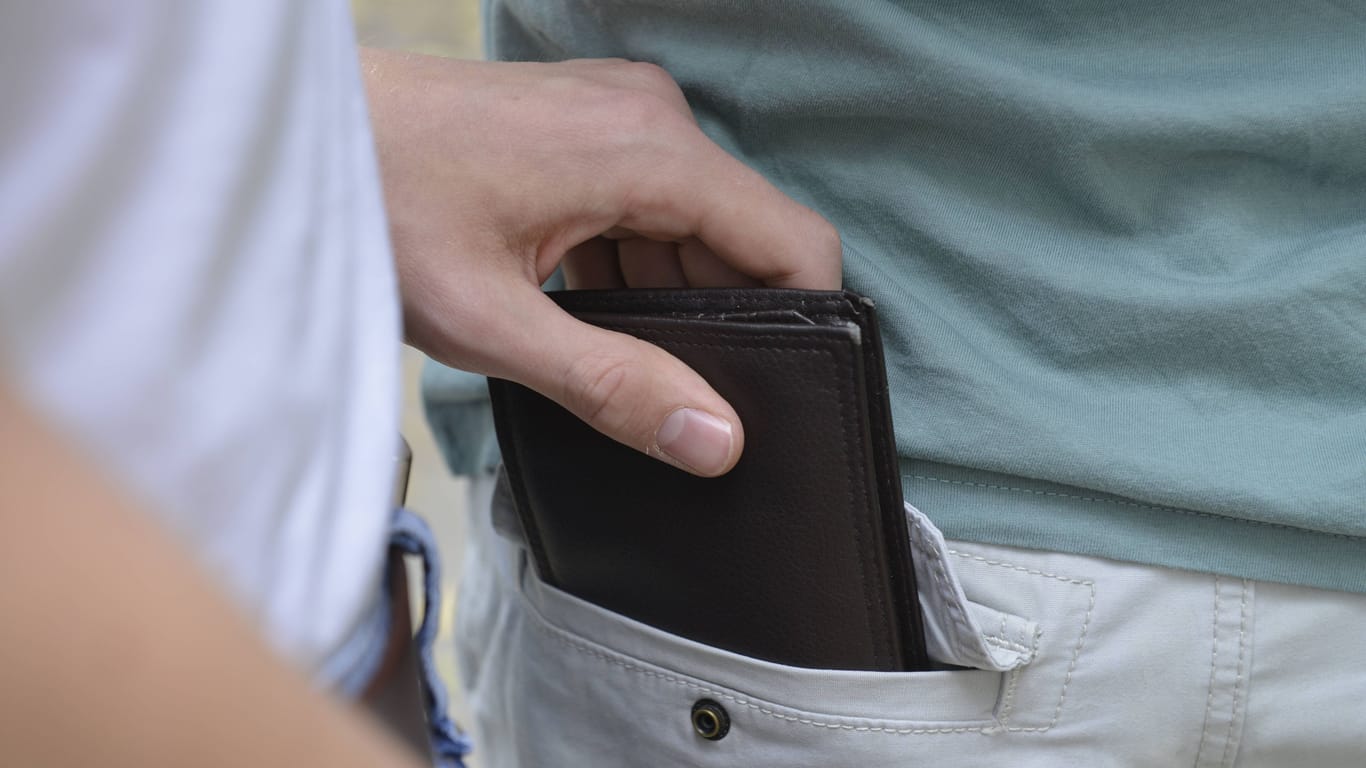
<point>973,505</point>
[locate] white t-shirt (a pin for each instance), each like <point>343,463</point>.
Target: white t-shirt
<point>195,283</point>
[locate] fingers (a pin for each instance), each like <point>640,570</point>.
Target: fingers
<point>765,234</point>
<point>663,178</point>
<point>592,264</point>
<point>640,262</point>
<point>704,269</point>
<point>628,389</point>
<point>649,263</point>
<point>753,227</point>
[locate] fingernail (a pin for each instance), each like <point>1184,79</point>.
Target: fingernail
<point>696,439</point>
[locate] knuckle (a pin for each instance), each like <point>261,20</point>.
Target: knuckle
<point>825,235</point>
<point>617,115</point>
<point>821,256</point>
<point>649,91</point>
<point>653,77</point>
<point>594,387</point>
<point>645,112</point>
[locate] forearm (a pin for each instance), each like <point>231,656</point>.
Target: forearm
<point>115,650</point>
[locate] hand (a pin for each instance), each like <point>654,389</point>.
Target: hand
<point>495,173</point>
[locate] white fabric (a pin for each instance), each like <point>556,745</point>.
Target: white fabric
<point>1095,663</point>
<point>195,283</point>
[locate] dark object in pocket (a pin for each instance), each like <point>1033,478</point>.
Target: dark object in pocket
<point>799,555</point>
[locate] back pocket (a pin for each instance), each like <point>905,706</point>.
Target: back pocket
<point>594,687</point>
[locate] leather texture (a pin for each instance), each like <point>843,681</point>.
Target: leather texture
<point>799,555</point>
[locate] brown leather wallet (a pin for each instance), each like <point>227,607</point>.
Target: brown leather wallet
<point>799,555</point>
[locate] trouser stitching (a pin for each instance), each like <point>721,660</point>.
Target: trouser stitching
<point>554,634</point>
<point>1081,639</point>
<point>1076,653</point>
<point>564,638</point>
<point>1213,668</point>
<point>940,575</point>
<point>1009,698</point>
<point>1008,644</point>
<point>1227,759</point>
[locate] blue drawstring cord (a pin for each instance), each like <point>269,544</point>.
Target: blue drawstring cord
<point>411,536</point>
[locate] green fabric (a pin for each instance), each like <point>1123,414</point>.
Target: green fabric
<point>1119,249</point>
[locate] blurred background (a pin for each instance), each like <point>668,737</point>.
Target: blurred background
<point>443,28</point>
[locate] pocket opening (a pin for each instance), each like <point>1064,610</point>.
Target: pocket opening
<point>962,699</point>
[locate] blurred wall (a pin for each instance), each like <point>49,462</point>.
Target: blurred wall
<point>442,27</point>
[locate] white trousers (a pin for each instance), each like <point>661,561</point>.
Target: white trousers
<point>1076,661</point>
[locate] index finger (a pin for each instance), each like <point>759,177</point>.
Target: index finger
<point>740,216</point>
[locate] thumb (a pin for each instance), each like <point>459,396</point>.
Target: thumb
<point>628,389</point>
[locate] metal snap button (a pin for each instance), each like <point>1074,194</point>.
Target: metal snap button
<point>710,720</point>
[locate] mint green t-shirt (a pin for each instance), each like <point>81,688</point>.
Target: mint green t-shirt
<point>1118,249</point>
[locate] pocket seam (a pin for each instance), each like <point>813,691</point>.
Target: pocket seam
<point>940,575</point>
<point>997,725</point>
<point>1011,644</point>
<point>1076,650</point>
<point>561,636</point>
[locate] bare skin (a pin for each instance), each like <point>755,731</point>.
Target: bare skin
<point>496,172</point>
<point>116,650</point>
